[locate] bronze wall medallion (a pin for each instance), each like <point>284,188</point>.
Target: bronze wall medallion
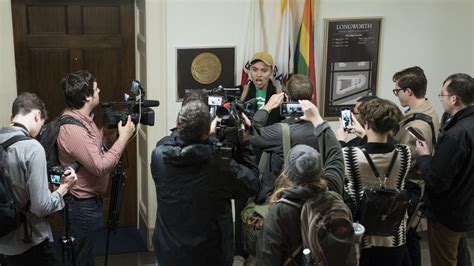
<point>206,68</point>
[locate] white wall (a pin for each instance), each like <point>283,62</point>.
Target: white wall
<point>436,35</point>
<point>7,63</point>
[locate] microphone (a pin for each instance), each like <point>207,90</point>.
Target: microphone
<point>148,103</point>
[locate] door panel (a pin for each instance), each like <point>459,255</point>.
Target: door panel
<point>55,37</point>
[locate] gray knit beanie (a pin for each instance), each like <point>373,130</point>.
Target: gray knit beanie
<point>304,164</point>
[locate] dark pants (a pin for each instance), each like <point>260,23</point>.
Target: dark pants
<point>85,219</point>
<point>42,254</point>
<point>376,256</point>
<point>464,256</point>
<point>413,249</point>
<point>227,237</point>
<point>239,250</point>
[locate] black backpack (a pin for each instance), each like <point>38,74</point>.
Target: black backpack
<point>382,209</point>
<point>48,135</point>
<point>10,216</point>
<point>327,231</point>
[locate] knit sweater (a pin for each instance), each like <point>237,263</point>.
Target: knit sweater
<point>359,175</point>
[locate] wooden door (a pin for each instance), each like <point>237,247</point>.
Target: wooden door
<point>55,37</point>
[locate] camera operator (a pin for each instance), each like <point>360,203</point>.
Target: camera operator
<point>194,185</point>
<point>88,148</point>
<point>26,164</point>
<point>269,138</point>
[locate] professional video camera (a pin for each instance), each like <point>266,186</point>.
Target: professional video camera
<point>228,109</point>
<point>138,108</point>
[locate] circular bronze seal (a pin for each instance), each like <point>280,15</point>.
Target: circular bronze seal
<point>206,68</point>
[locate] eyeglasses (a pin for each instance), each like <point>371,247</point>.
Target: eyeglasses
<point>442,95</point>
<point>395,91</point>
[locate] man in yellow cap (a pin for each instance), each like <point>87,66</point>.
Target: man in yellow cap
<point>261,87</point>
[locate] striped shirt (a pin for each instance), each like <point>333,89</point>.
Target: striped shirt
<point>75,144</point>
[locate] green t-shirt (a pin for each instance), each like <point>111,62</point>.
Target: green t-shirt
<point>260,95</point>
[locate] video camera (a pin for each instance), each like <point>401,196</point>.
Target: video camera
<point>57,171</point>
<point>225,104</point>
<point>138,108</point>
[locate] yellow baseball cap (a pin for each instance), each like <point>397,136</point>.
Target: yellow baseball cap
<point>264,57</point>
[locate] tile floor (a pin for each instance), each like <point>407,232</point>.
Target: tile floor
<point>148,258</point>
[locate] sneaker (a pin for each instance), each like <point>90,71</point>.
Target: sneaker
<point>238,261</point>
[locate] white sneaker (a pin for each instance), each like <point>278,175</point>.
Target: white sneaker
<point>238,261</point>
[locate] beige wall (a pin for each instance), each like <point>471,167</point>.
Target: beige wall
<point>7,63</point>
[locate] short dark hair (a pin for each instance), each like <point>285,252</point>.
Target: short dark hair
<point>413,78</point>
<point>461,85</point>
<point>194,121</point>
<point>26,102</point>
<point>195,95</point>
<point>76,87</point>
<point>299,87</point>
<point>381,115</point>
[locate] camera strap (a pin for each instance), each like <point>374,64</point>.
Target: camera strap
<point>286,142</point>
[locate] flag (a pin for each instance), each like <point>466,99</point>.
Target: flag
<point>304,53</point>
<point>254,39</point>
<point>284,57</point>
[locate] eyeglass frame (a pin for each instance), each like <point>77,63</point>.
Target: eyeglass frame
<point>444,95</point>
<point>395,91</point>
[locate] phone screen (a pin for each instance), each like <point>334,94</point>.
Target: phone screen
<point>214,100</point>
<point>291,109</point>
<point>415,133</point>
<point>55,179</point>
<point>346,118</point>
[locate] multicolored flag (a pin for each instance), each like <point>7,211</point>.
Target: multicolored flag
<point>254,41</point>
<point>304,54</point>
<point>284,57</point>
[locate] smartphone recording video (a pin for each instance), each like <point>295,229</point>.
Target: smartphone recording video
<point>415,133</point>
<point>288,109</point>
<point>346,118</point>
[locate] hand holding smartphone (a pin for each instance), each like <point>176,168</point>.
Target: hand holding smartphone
<point>346,119</point>
<point>415,133</point>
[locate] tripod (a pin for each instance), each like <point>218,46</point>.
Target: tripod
<point>118,182</point>
<point>67,241</point>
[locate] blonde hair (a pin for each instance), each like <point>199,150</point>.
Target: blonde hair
<point>283,183</point>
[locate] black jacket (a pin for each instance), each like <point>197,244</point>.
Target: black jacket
<point>193,190</point>
<point>281,233</point>
<point>449,174</point>
<point>269,138</point>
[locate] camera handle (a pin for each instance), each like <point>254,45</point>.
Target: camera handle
<point>118,182</point>
<point>67,241</point>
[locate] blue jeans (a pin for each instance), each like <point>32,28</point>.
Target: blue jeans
<point>85,219</point>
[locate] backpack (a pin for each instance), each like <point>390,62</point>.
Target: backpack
<point>382,209</point>
<point>253,215</point>
<point>48,135</point>
<point>10,216</point>
<point>327,231</point>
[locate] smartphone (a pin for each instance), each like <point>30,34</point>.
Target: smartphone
<point>415,133</point>
<point>55,179</point>
<point>346,117</point>
<point>290,109</point>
